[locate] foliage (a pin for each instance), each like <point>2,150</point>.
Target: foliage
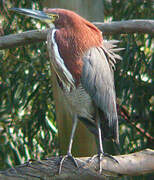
<point>134,75</point>
<point>27,114</point>
<point>134,82</point>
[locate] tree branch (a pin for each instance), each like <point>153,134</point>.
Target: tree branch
<point>22,39</point>
<point>129,26</point>
<point>117,27</point>
<point>132,164</point>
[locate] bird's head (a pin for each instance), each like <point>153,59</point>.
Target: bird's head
<point>57,18</point>
<point>53,17</point>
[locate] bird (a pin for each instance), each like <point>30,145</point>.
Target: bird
<point>84,65</point>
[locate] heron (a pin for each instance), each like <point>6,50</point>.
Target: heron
<point>84,65</point>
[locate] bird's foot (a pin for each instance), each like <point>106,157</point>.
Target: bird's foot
<point>68,156</point>
<point>110,157</point>
<point>100,156</point>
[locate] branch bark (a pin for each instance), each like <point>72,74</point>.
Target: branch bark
<point>129,26</point>
<point>117,27</point>
<point>132,164</point>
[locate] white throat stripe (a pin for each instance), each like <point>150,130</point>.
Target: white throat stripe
<point>59,60</point>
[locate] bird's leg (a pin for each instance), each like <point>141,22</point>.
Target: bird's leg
<point>101,153</point>
<point>69,153</point>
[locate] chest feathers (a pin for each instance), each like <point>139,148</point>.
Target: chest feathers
<point>76,98</point>
<point>57,61</point>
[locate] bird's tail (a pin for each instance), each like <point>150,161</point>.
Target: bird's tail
<point>113,126</point>
<point>109,126</point>
<point>115,130</point>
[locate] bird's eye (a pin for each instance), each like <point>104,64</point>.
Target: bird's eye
<point>53,17</point>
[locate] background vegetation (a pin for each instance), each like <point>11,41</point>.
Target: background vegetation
<point>27,113</point>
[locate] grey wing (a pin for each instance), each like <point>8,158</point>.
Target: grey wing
<point>98,80</point>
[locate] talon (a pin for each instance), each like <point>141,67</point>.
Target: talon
<point>92,158</point>
<point>100,156</point>
<point>73,160</point>
<point>69,156</point>
<point>111,157</point>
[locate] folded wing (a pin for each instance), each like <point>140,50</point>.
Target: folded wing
<point>98,80</point>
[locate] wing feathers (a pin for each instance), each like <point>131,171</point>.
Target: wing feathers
<point>109,48</point>
<point>98,80</point>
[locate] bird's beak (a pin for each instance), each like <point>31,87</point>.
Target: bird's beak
<point>32,13</point>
